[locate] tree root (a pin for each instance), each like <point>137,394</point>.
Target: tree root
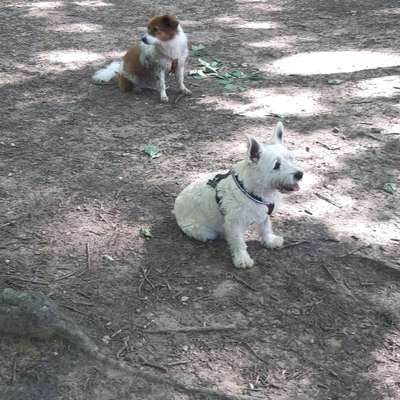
<point>32,315</point>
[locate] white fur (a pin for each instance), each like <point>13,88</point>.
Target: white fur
<point>157,57</point>
<point>199,216</point>
<point>105,74</point>
<point>176,48</point>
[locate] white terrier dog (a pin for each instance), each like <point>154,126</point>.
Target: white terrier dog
<point>225,205</point>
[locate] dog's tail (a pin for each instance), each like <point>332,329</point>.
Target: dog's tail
<point>105,74</point>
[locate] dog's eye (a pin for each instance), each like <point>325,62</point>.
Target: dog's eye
<point>277,165</point>
<point>155,29</point>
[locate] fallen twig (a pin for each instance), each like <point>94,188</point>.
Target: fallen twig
<point>293,244</point>
<point>179,98</point>
<point>72,308</point>
<point>243,282</point>
<point>68,275</point>
<point>328,147</point>
<point>321,196</point>
<point>354,251</point>
<point>387,264</point>
<point>330,273</point>
<point>153,365</point>
<point>190,329</point>
<point>7,224</point>
<point>18,278</point>
<point>371,136</point>
<point>145,278</point>
<point>361,102</point>
<point>176,363</point>
<point>340,283</point>
<point>254,353</point>
<point>88,258</point>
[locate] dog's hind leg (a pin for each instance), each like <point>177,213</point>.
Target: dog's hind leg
<point>200,233</point>
<point>124,84</point>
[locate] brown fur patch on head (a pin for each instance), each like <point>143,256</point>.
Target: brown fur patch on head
<point>163,27</point>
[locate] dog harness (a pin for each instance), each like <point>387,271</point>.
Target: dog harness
<point>256,199</point>
<point>174,65</point>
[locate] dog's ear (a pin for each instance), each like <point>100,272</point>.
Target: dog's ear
<point>253,149</point>
<point>169,21</point>
<point>278,133</point>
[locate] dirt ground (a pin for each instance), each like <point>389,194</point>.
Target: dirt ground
<point>318,319</point>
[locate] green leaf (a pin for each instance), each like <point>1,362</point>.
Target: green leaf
<point>198,49</point>
<point>152,151</point>
<point>217,63</point>
<point>256,76</point>
<point>238,74</point>
<point>231,87</point>
<point>334,81</point>
<point>146,233</point>
<point>197,74</point>
<point>224,82</point>
<point>389,187</point>
<point>207,67</point>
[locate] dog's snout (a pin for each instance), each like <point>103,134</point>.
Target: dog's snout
<point>144,39</point>
<point>298,175</point>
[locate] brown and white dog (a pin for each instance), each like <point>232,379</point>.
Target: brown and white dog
<point>162,50</point>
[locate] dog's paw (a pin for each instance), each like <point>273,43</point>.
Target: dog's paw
<point>186,91</point>
<point>242,260</point>
<point>273,242</point>
<point>164,98</point>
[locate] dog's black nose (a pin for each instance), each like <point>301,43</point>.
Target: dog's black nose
<point>298,175</point>
<point>144,39</point>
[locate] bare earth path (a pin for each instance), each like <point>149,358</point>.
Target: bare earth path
<point>318,319</point>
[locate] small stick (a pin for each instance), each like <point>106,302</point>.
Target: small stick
<point>241,306</point>
<point>72,309</point>
<point>65,276</point>
<point>88,258</point>
<point>354,251</point>
<point>243,282</point>
<point>179,98</point>
<point>330,273</point>
<point>153,365</point>
<point>176,363</point>
<point>254,353</point>
<point>25,280</point>
<point>7,224</point>
<point>146,278</point>
<point>14,372</point>
<point>199,329</point>
<point>371,136</point>
<point>321,196</point>
<point>386,264</point>
<point>294,244</point>
<point>327,147</point>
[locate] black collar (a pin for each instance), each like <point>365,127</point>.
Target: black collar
<point>251,196</point>
<point>256,199</point>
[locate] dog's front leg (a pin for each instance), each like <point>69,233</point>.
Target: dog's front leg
<point>268,238</point>
<point>163,89</point>
<point>234,235</point>
<point>180,75</point>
